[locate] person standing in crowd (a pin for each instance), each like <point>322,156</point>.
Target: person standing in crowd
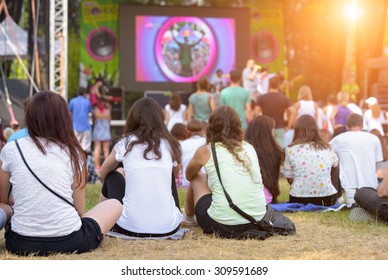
<point>101,131</point>
<point>352,88</point>
<point>374,117</point>
<point>218,82</point>
<point>260,134</point>
<point>201,104</point>
<point>358,153</point>
<point>240,173</point>
<point>308,164</point>
<point>331,102</point>
<point>305,105</point>
<point>237,97</point>
<point>249,79</point>
<point>48,174</point>
<point>95,91</point>
<point>340,111</point>
<point>80,108</point>
<point>175,111</point>
<point>266,104</point>
<point>263,81</point>
<point>151,158</point>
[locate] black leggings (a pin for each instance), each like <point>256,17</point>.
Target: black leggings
<point>368,199</point>
<point>114,187</point>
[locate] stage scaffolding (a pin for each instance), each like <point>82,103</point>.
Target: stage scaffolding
<point>58,61</point>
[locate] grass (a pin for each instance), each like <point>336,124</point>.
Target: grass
<point>320,236</point>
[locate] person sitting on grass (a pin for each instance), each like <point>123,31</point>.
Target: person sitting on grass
<point>308,164</point>
<point>240,175</point>
<point>145,185</point>
<point>261,135</point>
<point>48,174</point>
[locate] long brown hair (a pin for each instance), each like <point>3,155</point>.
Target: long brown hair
<point>225,126</point>
<point>175,101</point>
<point>47,116</point>
<point>382,141</point>
<point>269,153</point>
<point>307,131</point>
<point>145,120</point>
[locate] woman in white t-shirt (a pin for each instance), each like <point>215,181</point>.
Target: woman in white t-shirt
<point>50,220</point>
<point>175,111</point>
<point>304,106</point>
<point>150,156</point>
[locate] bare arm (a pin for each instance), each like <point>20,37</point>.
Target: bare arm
<point>200,158</point>
<point>248,112</point>
<point>4,185</point>
<point>108,165</point>
<point>79,199</point>
<point>382,191</point>
<point>335,111</point>
<point>190,112</point>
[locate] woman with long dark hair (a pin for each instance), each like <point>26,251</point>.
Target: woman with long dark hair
<point>150,156</point>
<point>260,134</point>
<point>240,175</point>
<point>47,170</point>
<point>308,164</point>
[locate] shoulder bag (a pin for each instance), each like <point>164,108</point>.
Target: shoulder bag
<point>40,181</point>
<point>273,222</point>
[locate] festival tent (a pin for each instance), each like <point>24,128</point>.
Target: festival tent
<point>15,35</point>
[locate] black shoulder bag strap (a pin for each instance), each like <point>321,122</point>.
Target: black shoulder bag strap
<point>37,178</point>
<point>231,204</point>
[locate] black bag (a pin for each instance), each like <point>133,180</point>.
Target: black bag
<point>276,223</point>
<point>273,222</point>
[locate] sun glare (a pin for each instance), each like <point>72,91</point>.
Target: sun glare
<point>353,11</point>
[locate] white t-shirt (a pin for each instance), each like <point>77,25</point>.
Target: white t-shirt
<point>189,147</point>
<point>175,116</point>
<point>148,204</point>
<point>373,123</point>
<point>307,107</point>
<point>38,212</point>
<point>358,152</point>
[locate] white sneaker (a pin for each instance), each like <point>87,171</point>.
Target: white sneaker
<point>188,220</point>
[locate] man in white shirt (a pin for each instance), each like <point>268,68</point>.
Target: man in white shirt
<point>263,81</point>
<point>358,153</point>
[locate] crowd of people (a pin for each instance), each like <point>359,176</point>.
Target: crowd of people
<point>237,136</point>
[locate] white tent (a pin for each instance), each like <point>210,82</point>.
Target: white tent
<point>15,35</point>
<point>16,39</point>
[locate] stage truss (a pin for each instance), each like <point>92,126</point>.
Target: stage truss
<point>58,61</point>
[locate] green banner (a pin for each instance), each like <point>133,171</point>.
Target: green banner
<point>99,42</point>
<point>267,34</point>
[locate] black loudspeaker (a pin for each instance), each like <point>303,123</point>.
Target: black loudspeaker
<point>117,102</point>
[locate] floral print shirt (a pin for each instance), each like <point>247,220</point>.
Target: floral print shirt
<point>310,169</point>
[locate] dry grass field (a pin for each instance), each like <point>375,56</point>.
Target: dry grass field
<point>320,236</point>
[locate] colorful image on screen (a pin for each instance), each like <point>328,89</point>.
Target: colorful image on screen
<point>181,49</point>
